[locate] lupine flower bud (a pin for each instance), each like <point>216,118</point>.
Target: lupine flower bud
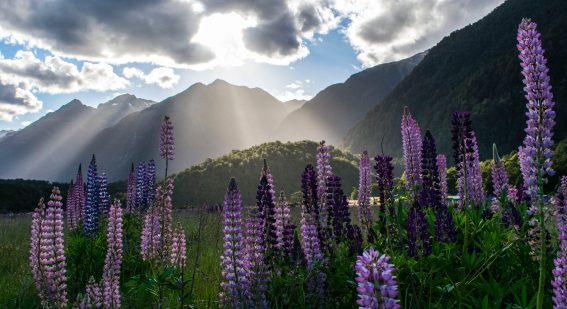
<point>113,261</point>
<point>79,195</point>
<point>71,209</point>
<point>411,142</point>
<point>377,286</point>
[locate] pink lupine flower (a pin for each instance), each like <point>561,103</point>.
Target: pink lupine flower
<point>178,255</point>
<point>113,261</point>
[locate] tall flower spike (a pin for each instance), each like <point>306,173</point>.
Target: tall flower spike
<point>411,142</point>
<point>151,233</point>
<point>113,261</point>
<point>178,255</point>
<point>337,209</point>
<point>499,180</point>
<point>71,210</point>
<point>79,196</point>
<point>385,181</point>
<point>477,192</point>
<point>462,132</point>
<point>35,250</point>
<point>166,215</point>
<point>559,272</point>
<point>442,169</point>
<point>141,189</point>
<point>131,191</point>
<point>377,286</point>
<point>92,210</point>
<point>265,201</point>
<point>103,197</point>
<point>254,265</point>
<point>364,191</point>
<point>419,242</point>
<point>234,284</point>
<point>92,297</point>
<point>324,170</point>
<point>166,142</point>
<point>284,227</point>
<point>151,182</point>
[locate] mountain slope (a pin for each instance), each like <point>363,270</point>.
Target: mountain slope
<point>207,182</point>
<point>47,148</point>
<point>475,69</point>
<point>338,107</point>
<point>209,120</point>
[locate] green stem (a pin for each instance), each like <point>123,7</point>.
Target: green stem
<point>542,254</point>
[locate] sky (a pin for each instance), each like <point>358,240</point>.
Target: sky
<point>54,51</point>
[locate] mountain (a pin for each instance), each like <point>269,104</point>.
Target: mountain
<point>6,133</point>
<point>474,69</point>
<point>294,104</point>
<point>336,109</point>
<point>207,182</point>
<point>209,120</point>
<point>46,148</point>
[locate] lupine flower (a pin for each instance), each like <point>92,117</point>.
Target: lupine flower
<point>141,186</point>
<point>254,266</point>
<point>151,182</point>
<point>411,142</point>
<point>324,170</point>
<point>564,185</point>
<point>71,209</point>
<point>265,201</point>
<point>559,272</point>
<point>150,243</point>
<point>178,255</point>
<point>166,217</point>
<point>462,133</point>
<point>499,180</point>
<point>364,191</point>
<point>442,170</point>
<point>92,297</point>
<point>418,236</point>
<point>385,180</point>
<point>337,209</point>
<point>131,191</point>
<point>430,194</point>
<point>477,193</point>
<point>539,132</point>
<point>103,197</point>
<point>92,211</point>
<point>47,256</point>
<point>284,227</point>
<point>167,142</point>
<point>377,286</point>
<point>113,260</point>
<point>79,196</point>
<point>234,284</point>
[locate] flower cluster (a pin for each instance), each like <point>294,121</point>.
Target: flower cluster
<point>71,212</point>
<point>92,297</point>
<point>411,142</point>
<point>364,191</point>
<point>166,214</point>
<point>166,141</point>
<point>324,171</point>
<point>92,210</point>
<point>377,286</point>
<point>254,264</point>
<point>150,182</point>
<point>284,227</point>
<point>419,242</point>
<point>131,190</point>
<point>141,186</point>
<point>385,180</point>
<point>265,202</point>
<point>337,209</point>
<point>113,260</point>
<point>178,254</point>
<point>103,197</point>
<point>442,170</point>
<point>151,233</point>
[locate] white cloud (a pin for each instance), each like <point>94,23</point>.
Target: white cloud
<point>295,91</point>
<point>163,77</point>
<point>26,123</point>
<point>16,100</point>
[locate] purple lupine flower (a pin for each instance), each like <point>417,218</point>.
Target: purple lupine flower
<point>113,260</point>
<point>377,286</point>
<point>103,197</point>
<point>131,191</point>
<point>51,252</point>
<point>254,265</point>
<point>265,201</point>
<point>539,132</point>
<point>141,190</point>
<point>430,194</point>
<point>92,297</point>
<point>151,182</point>
<point>234,284</point>
<point>365,218</point>
<point>559,272</point>
<point>411,142</point>
<point>166,214</point>
<point>418,235</point>
<point>462,133</point>
<point>324,170</point>
<point>564,185</point>
<point>178,255</point>
<point>385,180</point>
<point>442,170</point>
<point>79,196</point>
<point>338,217</point>
<point>499,175</point>
<point>35,250</point>
<point>92,210</point>
<point>71,209</point>
<point>284,227</point>
<point>166,142</point>
<point>151,233</point>
<point>475,175</point>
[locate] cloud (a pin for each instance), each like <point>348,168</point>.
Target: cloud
<point>163,77</point>
<point>295,91</point>
<point>393,30</point>
<point>26,123</point>
<point>54,75</point>
<point>16,100</point>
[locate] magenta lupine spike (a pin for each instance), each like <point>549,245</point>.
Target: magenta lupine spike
<point>254,266</point>
<point>92,297</point>
<point>377,286</point>
<point>166,142</point>
<point>540,114</point>
<point>47,255</point>
<point>364,191</point>
<point>151,233</point>
<point>131,191</point>
<point>324,170</point>
<point>113,261</point>
<point>559,272</point>
<point>284,227</point>
<point>79,195</point>
<point>70,207</point>
<point>473,179</point>
<point>442,169</point>
<point>166,214</point>
<point>411,142</point>
<point>234,284</point>
<point>178,255</point>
